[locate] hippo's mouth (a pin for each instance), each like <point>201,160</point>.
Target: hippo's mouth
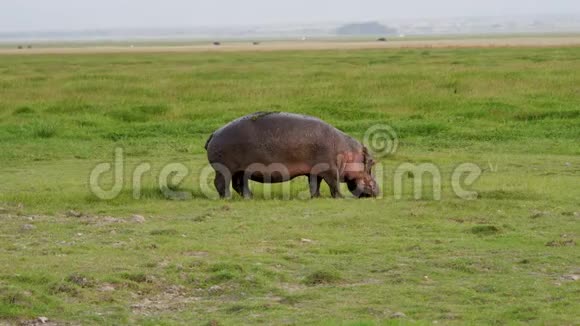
<point>360,192</point>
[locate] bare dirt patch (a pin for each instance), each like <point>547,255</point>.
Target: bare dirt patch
<point>174,298</point>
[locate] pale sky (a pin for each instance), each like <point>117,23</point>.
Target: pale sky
<point>24,15</point>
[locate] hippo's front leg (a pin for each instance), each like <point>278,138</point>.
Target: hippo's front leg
<point>333,181</point>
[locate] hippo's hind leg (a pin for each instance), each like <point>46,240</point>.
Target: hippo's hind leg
<point>332,179</point>
<point>242,185</point>
<point>222,184</point>
<point>237,183</point>
<point>314,181</point>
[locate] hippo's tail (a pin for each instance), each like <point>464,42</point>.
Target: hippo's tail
<point>207,142</point>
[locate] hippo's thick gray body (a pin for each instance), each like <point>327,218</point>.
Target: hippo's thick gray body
<point>277,147</point>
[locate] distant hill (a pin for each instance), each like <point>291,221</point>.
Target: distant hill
<point>362,29</point>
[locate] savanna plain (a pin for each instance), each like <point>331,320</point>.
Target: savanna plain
<point>507,256</point>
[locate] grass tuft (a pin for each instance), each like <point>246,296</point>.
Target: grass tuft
<point>136,277</point>
<point>165,232</point>
<point>80,280</point>
<point>24,110</point>
<point>140,113</point>
<point>43,130</point>
<point>485,230</point>
<point>321,277</point>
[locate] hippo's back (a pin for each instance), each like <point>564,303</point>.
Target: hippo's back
<point>270,121</point>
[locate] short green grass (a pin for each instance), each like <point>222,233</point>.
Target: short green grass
<point>507,257</point>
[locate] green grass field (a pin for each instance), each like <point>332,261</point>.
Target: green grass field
<point>508,257</point>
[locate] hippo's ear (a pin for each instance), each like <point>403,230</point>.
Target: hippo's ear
<point>365,152</point>
<point>368,159</point>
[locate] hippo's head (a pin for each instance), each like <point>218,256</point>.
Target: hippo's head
<point>364,187</point>
<point>362,184</point>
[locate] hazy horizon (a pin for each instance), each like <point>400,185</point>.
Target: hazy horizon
<point>37,15</point>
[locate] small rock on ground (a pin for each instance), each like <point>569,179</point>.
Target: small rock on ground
<point>538,213</point>
<point>73,213</point>
<point>398,315</point>
<point>28,227</point>
<point>107,288</point>
<point>571,277</point>
<point>215,289</point>
<point>561,243</point>
<point>110,220</point>
<point>138,219</point>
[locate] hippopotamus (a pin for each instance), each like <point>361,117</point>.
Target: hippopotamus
<point>275,147</point>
